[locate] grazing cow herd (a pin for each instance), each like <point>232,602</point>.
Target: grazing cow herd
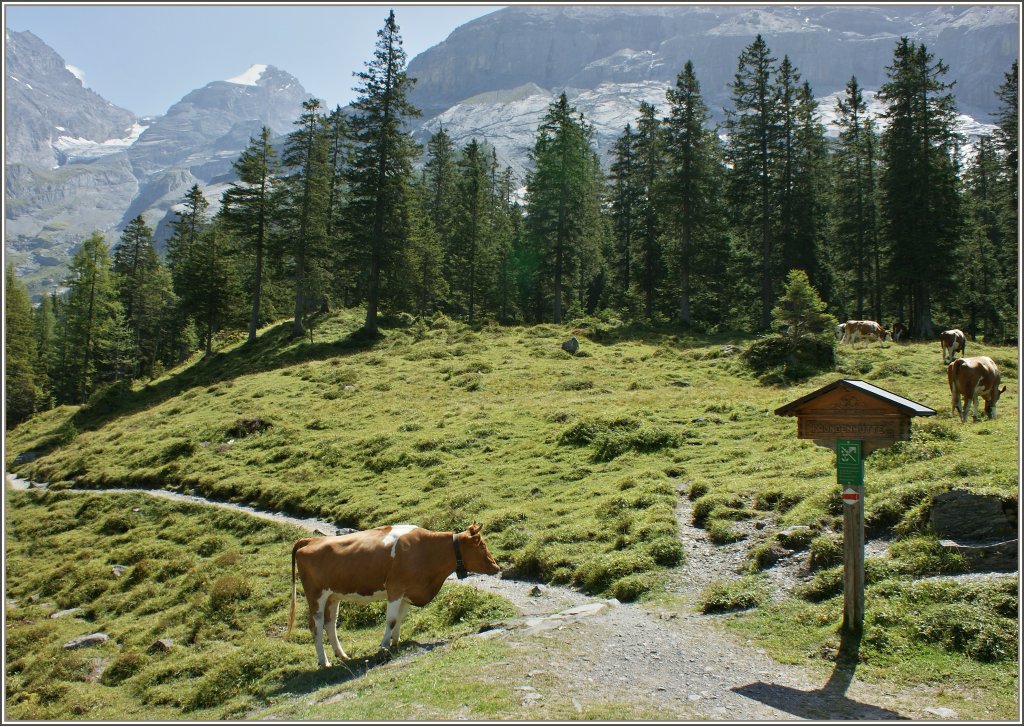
<point>406,565</point>
<point>968,378</point>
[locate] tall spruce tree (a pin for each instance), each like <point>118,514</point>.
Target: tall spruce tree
<point>1006,136</point>
<point>624,197</point>
<point>308,184</point>
<point>696,253</point>
<point>808,191</point>
<point>247,207</point>
<point>145,290</point>
<point>441,178</point>
<point>382,164</point>
<point>21,374</point>
<point>563,203</point>
<point>856,240</point>
<point>470,249</point>
<point>648,161</point>
<point>91,315</point>
<point>753,125</point>
<point>919,181</point>
<point>188,224</point>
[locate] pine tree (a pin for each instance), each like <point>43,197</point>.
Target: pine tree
<point>247,206</point>
<point>306,214</point>
<point>648,160</point>
<point>441,177</point>
<point>856,238</point>
<point>624,197</point>
<point>144,288</point>
<point>89,316</point>
<point>186,228</point>
<point>919,183</point>
<point>808,190</point>
<point>425,254</point>
<point>801,313</point>
<point>563,202</point>
<point>753,150</point>
<point>21,389</point>
<point>45,327</point>
<point>1006,137</point>
<point>697,256</point>
<point>471,231</point>
<point>382,164</point>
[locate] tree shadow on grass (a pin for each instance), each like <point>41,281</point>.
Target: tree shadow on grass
<point>341,672</point>
<point>276,348</point>
<point>829,702</point>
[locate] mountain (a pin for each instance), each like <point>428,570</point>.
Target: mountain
<point>495,76</point>
<point>560,47</point>
<point>75,163</point>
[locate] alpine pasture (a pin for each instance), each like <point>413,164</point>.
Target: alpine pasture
<point>573,465</point>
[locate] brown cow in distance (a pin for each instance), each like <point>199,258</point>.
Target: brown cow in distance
<point>854,330</point>
<point>898,332</point>
<point>402,564</point>
<point>971,377</point>
<point>952,341</point>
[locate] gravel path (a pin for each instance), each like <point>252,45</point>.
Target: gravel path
<point>674,660</point>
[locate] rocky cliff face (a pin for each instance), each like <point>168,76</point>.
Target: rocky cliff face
<point>560,47</point>
<point>46,105</point>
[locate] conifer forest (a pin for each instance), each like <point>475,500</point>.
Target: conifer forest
<point>899,218</point>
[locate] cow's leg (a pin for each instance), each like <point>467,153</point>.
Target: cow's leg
<point>332,628</point>
<point>403,610</point>
<point>394,607</point>
<point>974,402</point>
<point>316,610</point>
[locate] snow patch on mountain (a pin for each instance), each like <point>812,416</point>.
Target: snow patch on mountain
<point>251,75</point>
<point>71,149</point>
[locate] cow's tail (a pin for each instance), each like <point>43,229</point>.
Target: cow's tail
<point>291,611</point>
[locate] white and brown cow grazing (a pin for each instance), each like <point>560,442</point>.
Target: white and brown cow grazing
<point>854,330</point>
<point>952,341</point>
<point>403,564</point>
<point>898,332</point>
<point>970,378</point>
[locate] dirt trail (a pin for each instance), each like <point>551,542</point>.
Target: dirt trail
<point>682,662</point>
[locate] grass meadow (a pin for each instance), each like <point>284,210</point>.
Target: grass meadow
<point>573,465</point>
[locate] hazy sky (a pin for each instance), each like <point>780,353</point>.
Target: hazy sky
<point>146,57</point>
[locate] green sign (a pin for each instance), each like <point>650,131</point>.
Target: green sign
<point>849,464</point>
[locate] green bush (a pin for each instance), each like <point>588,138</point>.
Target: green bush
<point>749,591</point>
<point>599,573</point>
<point>968,629</point>
<point>631,587</point>
<point>791,359</point>
<point>721,533</point>
<point>826,550</point>
<point>228,589</point>
<point>666,551</point>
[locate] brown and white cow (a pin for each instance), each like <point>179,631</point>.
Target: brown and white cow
<point>854,330</point>
<point>971,377</point>
<point>898,332</point>
<point>952,341</point>
<point>402,564</point>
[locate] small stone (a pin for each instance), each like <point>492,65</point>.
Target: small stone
<point>942,712</point>
<point>62,613</point>
<point>118,570</point>
<point>680,384</point>
<point>759,525</point>
<point>34,597</point>
<point>571,346</point>
<point>163,645</point>
<point>86,640</point>
<point>97,666</point>
<point>535,591</point>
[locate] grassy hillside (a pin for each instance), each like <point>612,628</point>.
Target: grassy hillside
<point>573,465</point>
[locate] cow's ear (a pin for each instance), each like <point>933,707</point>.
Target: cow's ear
<point>1003,389</point>
<point>474,529</point>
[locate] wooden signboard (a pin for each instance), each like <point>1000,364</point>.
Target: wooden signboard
<point>853,418</point>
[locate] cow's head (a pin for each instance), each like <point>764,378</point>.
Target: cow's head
<point>475,554</point>
<point>990,403</point>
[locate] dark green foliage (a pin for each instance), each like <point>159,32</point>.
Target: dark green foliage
<point>22,377</point>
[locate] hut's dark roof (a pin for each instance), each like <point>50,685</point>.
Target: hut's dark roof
<point>904,404</point>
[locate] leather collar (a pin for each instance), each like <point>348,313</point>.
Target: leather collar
<point>460,567</point>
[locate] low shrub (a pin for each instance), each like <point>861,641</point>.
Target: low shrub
<point>720,532</point>
<point>631,587</point>
<point>749,591</point>
<point>122,668</point>
<point>826,550</point>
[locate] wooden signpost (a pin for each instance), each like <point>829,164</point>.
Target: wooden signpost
<point>853,418</point>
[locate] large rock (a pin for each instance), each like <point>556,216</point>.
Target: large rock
<point>83,641</point>
<point>965,516</point>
